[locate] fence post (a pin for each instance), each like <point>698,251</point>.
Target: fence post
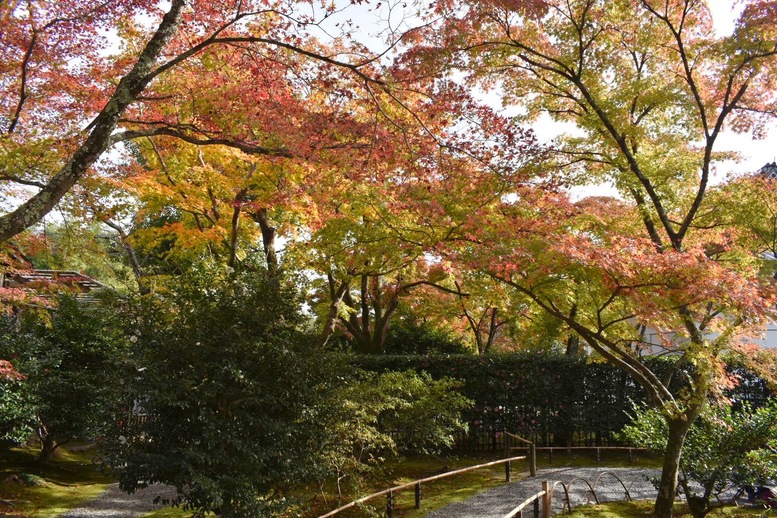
<point>631,456</point>
<point>390,504</point>
<point>598,454</point>
<point>536,508</point>
<point>507,471</point>
<point>418,495</point>
<point>532,459</point>
<point>546,499</point>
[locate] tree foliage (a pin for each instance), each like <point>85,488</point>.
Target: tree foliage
<point>75,365</point>
<point>69,94</point>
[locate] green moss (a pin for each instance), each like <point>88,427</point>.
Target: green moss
<point>168,512</point>
<point>48,490</point>
<point>435,494</point>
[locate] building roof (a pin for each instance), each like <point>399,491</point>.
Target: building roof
<point>769,171</point>
<point>41,281</point>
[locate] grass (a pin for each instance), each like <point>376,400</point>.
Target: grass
<point>65,482</point>
<point>644,509</point>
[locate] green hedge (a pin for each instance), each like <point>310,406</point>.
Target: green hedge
<point>551,399</point>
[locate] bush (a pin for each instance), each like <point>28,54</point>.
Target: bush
<point>420,338</point>
<point>240,407</point>
<point>371,416</point>
<point>17,413</point>
<point>225,381</point>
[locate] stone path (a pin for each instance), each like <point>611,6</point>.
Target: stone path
<point>497,502</point>
<point>115,503</point>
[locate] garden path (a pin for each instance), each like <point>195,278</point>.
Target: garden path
<point>497,502</point>
<point>115,503</point>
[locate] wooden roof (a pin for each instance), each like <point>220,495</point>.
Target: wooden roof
<point>39,281</point>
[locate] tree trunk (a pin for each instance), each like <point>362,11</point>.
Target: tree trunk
<point>268,240</point>
<point>127,91</point>
<point>132,257</point>
<point>573,346</point>
<point>667,490</point>
<point>573,342</point>
<point>48,445</point>
<point>336,298</point>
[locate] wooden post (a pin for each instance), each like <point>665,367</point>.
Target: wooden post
<point>536,508</point>
<point>418,495</point>
<point>390,504</point>
<point>533,460</point>
<point>551,454</point>
<point>507,471</point>
<point>598,454</point>
<point>546,499</point>
<point>631,456</point>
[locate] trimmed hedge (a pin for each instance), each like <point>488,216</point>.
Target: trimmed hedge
<point>550,399</point>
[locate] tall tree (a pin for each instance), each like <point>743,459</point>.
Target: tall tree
<point>650,87</point>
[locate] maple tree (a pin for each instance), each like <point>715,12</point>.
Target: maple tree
<point>367,273</point>
<point>748,202</point>
<point>727,449</point>
<point>374,244</point>
<point>248,75</point>
<point>650,87</point>
<point>472,307</point>
<point>232,116</point>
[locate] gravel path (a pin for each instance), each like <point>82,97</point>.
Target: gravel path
<point>497,502</point>
<point>115,503</point>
